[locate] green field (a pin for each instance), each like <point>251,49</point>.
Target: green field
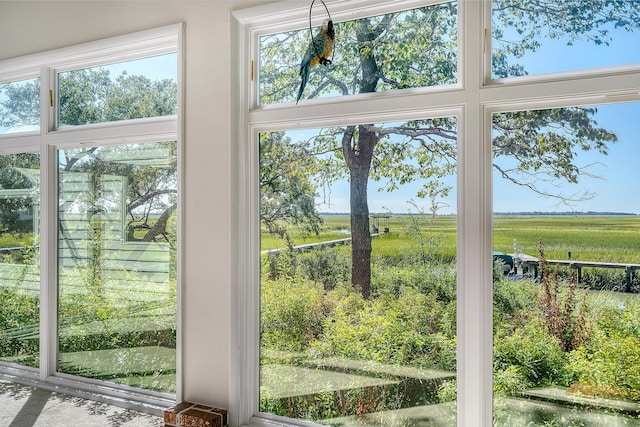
<point>588,238</point>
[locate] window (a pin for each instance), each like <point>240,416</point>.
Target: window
<point>549,37</point>
<point>338,345</point>
<point>19,262</point>
<point>399,50</point>
<point>520,143</point>
<point>90,254</point>
<point>121,91</point>
<point>565,331</point>
<point>20,106</point>
<point>116,264</point>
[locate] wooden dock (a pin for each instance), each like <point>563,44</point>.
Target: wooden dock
<point>628,268</point>
<point>528,262</point>
<point>315,245</point>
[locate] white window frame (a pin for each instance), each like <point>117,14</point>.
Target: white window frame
<point>47,141</point>
<point>473,100</point>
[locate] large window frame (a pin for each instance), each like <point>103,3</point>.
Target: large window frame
<point>474,99</point>
<point>47,140</point>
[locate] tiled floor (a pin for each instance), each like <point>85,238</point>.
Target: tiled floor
<point>25,406</point>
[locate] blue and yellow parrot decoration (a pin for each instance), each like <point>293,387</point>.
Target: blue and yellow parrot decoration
<point>318,52</point>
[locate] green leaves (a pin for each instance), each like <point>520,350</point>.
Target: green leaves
<point>542,145</point>
<point>414,48</point>
<point>287,196</point>
<point>92,96</point>
<point>20,104</point>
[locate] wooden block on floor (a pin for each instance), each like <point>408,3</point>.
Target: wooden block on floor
<point>197,418</point>
<point>187,414</point>
<point>171,414</point>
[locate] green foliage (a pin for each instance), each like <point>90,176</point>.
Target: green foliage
<point>327,266</point>
<point>410,321</point>
<point>439,279</point>
<point>536,356</point>
<point>448,391</point>
<point>405,330</point>
<point>415,48</point>
<point>514,302</point>
<point>291,315</point>
<point>93,96</point>
<point>21,104</point>
<point>420,227</point>
<point>19,320</point>
<point>610,368</point>
<point>18,172</point>
<point>287,196</point>
<point>510,381</point>
<point>560,314</point>
<point>608,365</point>
<point>281,264</point>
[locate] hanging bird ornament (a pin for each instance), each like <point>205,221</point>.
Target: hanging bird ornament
<point>319,51</point>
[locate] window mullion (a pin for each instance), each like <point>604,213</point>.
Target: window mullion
<point>48,291</point>
<point>474,231</point>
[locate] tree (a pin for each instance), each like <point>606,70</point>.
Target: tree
<point>151,185</point>
<point>286,193</point>
<point>418,48</point>
<point>21,104</point>
<point>16,213</point>
<point>93,96</point>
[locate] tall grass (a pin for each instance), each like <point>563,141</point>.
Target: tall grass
<point>588,238</point>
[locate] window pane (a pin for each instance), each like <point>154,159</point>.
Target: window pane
<point>20,106</point>
<point>415,48</point>
<point>128,90</point>
<point>19,258</point>
<point>116,264</point>
<point>358,287</point>
<point>551,35</point>
<point>567,332</point>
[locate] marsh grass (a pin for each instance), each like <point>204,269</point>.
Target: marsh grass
<point>588,238</point>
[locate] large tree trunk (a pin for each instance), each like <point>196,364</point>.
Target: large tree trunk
<point>358,156</point>
<point>360,236</point>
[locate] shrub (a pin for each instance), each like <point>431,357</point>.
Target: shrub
<point>327,266</point>
<point>537,355</point>
<point>437,279</point>
<point>292,313</point>
<point>448,391</point>
<point>560,315</point>
<point>405,330</point>
<point>514,301</point>
<point>609,364</point>
<point>611,370</point>
<point>510,381</point>
<point>19,312</point>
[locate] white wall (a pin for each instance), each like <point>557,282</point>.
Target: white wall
<point>30,27</point>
